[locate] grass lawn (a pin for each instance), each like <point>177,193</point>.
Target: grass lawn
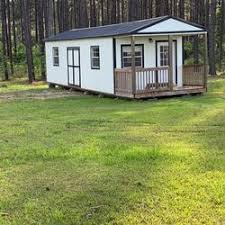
<point>96,161</point>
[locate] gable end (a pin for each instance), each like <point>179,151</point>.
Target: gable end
<point>171,25</point>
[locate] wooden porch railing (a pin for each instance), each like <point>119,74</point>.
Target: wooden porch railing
<point>152,79</point>
<point>123,81</point>
<point>194,75</point>
<point>147,80</point>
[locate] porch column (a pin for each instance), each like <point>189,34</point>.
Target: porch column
<point>133,65</point>
<point>170,72</point>
<point>206,61</point>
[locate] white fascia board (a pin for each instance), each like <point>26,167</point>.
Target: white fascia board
<point>173,34</point>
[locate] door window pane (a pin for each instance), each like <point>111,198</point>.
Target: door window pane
<point>164,55</point>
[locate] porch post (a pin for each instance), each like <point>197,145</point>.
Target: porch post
<point>170,40</point>
<point>133,65</point>
<point>206,61</point>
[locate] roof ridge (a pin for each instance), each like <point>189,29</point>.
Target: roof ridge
<point>127,22</point>
<point>160,19</point>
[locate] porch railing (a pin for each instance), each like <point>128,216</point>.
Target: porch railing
<point>152,79</point>
<point>147,80</point>
<point>194,75</point>
<point>123,81</point>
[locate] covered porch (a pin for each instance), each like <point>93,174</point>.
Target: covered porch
<point>161,80</point>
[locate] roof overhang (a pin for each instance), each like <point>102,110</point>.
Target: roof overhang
<point>190,33</point>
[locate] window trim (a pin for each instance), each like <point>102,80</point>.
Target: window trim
<point>53,56</point>
<point>136,45</point>
<point>95,67</point>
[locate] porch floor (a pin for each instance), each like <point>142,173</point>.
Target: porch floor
<point>177,91</point>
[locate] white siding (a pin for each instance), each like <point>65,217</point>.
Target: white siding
<point>103,80</point>
<point>150,52</point>
<point>97,80</point>
<point>170,25</point>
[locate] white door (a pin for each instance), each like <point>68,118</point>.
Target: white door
<point>73,62</point>
<point>163,59</point>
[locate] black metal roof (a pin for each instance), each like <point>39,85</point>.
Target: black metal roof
<point>112,30</point>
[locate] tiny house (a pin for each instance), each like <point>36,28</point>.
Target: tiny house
<point>138,59</point>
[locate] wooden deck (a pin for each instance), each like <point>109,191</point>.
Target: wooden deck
<point>176,92</point>
<point>155,82</point>
<point>187,90</point>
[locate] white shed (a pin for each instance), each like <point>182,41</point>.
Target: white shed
<point>136,59</point>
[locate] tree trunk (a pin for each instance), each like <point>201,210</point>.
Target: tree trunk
<point>181,9</point>
<point>10,37</point>
<point>41,15</point>
<point>66,16</point>
<point>21,23</point>
<point>49,19</point>
<point>194,18</point>
<point>207,14</point>
<point>36,20</point>
<point>93,18</point>
<point>4,31</point>
<point>158,10</point>
<point>113,12</point>
<point>54,17</point>
<point>14,29</point>
<point>27,35</point>
<point>133,10</point>
<point>123,11</point>
<point>212,45</point>
<point>150,8</point>
<point>201,5</point>
<point>102,12</point>
<point>221,33</point>
<point>80,14</point>
<point>118,11</point>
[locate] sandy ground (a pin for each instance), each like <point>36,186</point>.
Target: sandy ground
<point>45,94</point>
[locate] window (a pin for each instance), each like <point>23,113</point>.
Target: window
<point>55,56</point>
<point>127,59</point>
<point>95,57</point>
<point>164,55</point>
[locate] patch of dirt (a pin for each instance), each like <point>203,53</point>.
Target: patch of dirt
<point>41,95</point>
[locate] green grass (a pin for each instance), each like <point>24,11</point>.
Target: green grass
<point>20,85</point>
<point>88,160</point>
